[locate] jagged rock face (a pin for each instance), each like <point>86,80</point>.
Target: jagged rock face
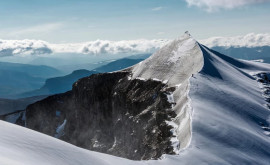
<point>17,117</point>
<point>138,113</point>
<point>109,113</point>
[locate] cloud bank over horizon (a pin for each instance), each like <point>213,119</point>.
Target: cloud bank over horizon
<point>215,5</point>
<point>249,40</point>
<point>128,46</point>
<point>24,47</point>
<point>39,47</point>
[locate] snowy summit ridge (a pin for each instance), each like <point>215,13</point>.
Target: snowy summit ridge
<point>174,62</point>
<point>213,86</point>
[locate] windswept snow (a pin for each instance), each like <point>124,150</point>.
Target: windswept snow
<point>264,83</point>
<point>174,64</point>
<point>188,45</point>
<point>226,103</point>
<point>21,146</point>
<point>228,109</point>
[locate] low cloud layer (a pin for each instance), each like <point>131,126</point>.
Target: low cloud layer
<point>115,47</point>
<point>23,47</point>
<point>38,47</point>
<point>249,40</point>
<point>215,5</point>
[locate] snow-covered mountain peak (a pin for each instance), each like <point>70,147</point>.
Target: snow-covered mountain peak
<point>186,35</point>
<point>173,63</point>
<point>211,108</point>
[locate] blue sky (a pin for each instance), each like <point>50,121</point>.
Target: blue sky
<point>65,21</point>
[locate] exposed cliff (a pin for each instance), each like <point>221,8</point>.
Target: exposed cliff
<point>138,113</point>
<point>109,113</point>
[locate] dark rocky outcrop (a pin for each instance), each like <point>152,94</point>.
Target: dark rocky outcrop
<point>109,113</point>
<point>17,117</point>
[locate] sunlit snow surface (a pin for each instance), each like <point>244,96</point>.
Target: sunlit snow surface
<point>228,108</point>
<point>227,117</point>
<point>21,146</point>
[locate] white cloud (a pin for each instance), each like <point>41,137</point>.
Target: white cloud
<point>38,47</point>
<point>157,8</point>
<point>249,40</point>
<point>215,5</point>
<point>23,47</point>
<point>115,47</point>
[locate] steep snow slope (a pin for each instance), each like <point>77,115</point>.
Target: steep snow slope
<point>21,146</point>
<point>228,107</point>
<point>173,63</point>
<point>228,118</point>
<point>228,113</point>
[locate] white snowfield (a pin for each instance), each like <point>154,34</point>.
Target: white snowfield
<point>22,146</point>
<point>220,114</point>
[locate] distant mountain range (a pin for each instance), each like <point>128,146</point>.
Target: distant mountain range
<point>17,78</point>
<point>8,106</point>
<point>24,80</point>
<point>58,84</point>
<point>52,86</point>
<point>118,65</point>
<point>246,53</point>
<point>100,64</point>
<point>41,71</point>
<point>14,82</point>
<point>64,83</point>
